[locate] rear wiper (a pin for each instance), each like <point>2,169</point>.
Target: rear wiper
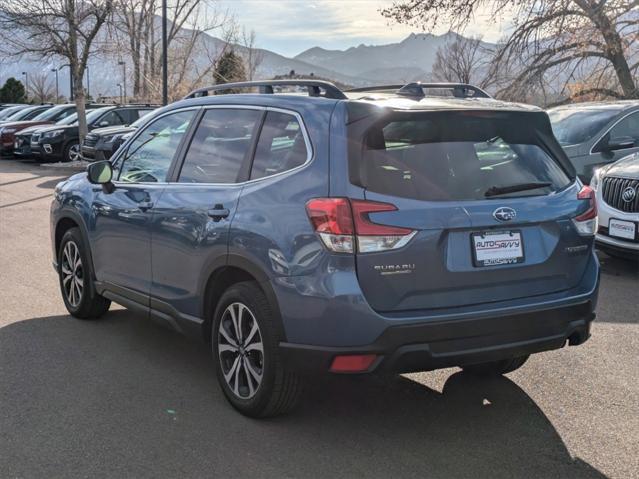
<point>502,190</point>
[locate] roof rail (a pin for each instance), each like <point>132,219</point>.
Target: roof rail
<point>314,87</point>
<point>416,89</point>
<point>375,88</point>
<point>460,90</point>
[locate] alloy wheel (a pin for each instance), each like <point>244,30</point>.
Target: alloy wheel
<point>240,350</point>
<point>72,273</point>
<point>74,152</point>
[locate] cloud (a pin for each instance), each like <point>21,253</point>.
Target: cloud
<point>291,26</point>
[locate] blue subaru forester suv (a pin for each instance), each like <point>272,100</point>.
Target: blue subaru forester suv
<point>378,230</point>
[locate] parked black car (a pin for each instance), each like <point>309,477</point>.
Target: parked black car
<point>595,134</point>
<point>58,115</point>
<point>62,142</point>
<point>101,143</point>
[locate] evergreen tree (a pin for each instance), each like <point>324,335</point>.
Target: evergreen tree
<point>230,68</point>
<point>13,92</point>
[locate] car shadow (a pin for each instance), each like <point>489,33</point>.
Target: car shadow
<point>619,285</point>
<point>122,397</point>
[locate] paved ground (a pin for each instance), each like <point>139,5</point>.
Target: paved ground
<point>122,397</point>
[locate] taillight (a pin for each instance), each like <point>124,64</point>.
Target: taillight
<point>373,236</point>
<point>341,222</point>
<point>586,223</point>
<point>333,221</point>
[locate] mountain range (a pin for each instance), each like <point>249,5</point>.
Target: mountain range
<point>408,60</point>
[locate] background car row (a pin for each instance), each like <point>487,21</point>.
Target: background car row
<point>50,132</point>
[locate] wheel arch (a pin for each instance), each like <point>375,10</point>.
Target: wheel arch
<point>70,219</point>
<point>237,269</point>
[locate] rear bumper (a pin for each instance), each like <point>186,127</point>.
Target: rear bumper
<point>436,345</point>
<point>433,339</point>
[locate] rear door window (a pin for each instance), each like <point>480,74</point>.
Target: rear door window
<point>111,118</point>
<point>281,146</point>
<point>443,157</point>
<point>627,128</point>
<point>220,146</point>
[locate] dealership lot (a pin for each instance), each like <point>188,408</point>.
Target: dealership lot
<point>124,397</point>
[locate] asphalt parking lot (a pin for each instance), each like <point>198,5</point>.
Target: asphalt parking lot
<point>124,397</point>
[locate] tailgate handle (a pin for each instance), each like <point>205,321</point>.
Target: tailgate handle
<point>218,212</point>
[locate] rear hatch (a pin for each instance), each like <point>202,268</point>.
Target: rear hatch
<point>489,200</point>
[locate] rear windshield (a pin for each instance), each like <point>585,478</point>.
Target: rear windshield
<point>458,156</point>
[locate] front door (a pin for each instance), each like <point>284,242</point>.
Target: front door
<point>193,216</point>
<point>122,232</point>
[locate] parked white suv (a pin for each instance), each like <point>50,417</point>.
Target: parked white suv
<point>617,189</point>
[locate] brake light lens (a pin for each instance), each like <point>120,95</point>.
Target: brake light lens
<point>586,223</point>
<point>372,237</point>
<point>333,221</point>
<point>343,224</point>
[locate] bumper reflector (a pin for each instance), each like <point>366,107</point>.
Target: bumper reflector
<point>352,363</point>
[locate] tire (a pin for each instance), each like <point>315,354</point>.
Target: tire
<point>71,151</point>
<point>76,278</point>
<point>254,382</point>
<point>496,368</point>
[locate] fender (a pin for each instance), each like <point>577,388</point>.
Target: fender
<point>244,264</point>
<point>66,212</point>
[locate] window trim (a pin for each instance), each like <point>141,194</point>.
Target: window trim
<point>179,152</point>
<point>619,120</point>
<point>173,178</point>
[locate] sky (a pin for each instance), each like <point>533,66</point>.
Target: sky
<point>289,27</point>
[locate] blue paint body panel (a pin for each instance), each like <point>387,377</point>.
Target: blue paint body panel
<point>167,253</point>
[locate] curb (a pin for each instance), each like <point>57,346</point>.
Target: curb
<point>69,167</point>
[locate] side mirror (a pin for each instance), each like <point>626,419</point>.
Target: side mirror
<point>101,173</point>
<point>620,143</point>
<point>103,123</point>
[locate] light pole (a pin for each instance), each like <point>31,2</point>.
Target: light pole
<point>120,85</point>
<point>26,85</point>
<point>123,80</point>
<point>57,94</point>
<point>71,95</point>
<point>165,62</point>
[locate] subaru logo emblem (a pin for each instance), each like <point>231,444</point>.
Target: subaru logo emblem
<point>629,194</point>
<point>504,214</point>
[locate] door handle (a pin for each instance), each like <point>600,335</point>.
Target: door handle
<point>145,205</point>
<point>218,212</point>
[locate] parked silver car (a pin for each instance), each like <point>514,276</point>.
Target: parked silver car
<point>617,193</point>
<point>597,133</point>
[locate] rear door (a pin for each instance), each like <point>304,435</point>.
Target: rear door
<point>449,176</point>
<point>193,216</point>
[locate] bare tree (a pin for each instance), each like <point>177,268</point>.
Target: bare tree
<point>134,18</point>
<point>137,29</point>
<point>252,56</point>
<point>41,88</point>
<point>65,28</point>
<point>573,41</point>
<point>464,60</point>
